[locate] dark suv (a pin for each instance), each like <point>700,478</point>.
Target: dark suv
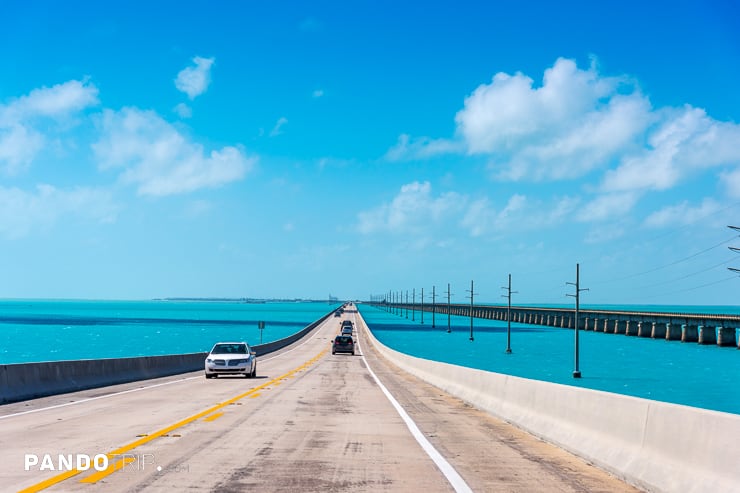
<point>343,344</point>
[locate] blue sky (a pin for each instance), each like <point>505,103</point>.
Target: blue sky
<point>298,149</point>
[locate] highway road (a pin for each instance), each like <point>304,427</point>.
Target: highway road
<point>311,421</point>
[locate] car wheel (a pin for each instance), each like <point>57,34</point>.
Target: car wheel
<point>254,372</point>
<point>208,375</point>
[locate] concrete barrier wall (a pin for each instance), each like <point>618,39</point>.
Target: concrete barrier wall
<point>654,445</point>
<point>24,381</point>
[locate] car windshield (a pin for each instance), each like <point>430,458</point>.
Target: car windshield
<point>229,349</point>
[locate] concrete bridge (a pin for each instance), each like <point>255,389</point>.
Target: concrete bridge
<point>701,328</point>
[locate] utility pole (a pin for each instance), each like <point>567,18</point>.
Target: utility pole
<point>449,327</point>
<point>434,306</point>
<point>422,306</point>
<point>736,250</point>
<point>508,316</point>
<point>577,284</point>
<point>471,309</point>
<point>407,304</point>
<point>413,306</point>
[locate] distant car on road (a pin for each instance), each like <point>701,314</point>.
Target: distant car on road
<point>347,323</point>
<point>343,344</point>
<point>231,358</point>
<point>346,331</point>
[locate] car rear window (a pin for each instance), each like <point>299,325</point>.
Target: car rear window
<point>344,339</point>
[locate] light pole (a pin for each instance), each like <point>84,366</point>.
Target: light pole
<point>577,284</point>
<point>407,304</point>
<point>422,306</point>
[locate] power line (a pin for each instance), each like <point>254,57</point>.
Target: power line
<point>695,287</point>
<point>669,281</point>
<point>676,262</point>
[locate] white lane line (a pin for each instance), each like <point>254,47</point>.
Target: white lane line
<point>57,406</point>
<point>455,480</point>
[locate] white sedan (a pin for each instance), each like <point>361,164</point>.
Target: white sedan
<point>231,358</point>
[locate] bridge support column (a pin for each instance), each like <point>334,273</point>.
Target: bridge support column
<point>726,336</point>
<point>659,330</point>
<point>630,328</point>
<point>673,332</point>
<point>605,328</point>
<point>689,333</point>
<point>644,329</point>
<point>707,334</point>
<point>620,327</point>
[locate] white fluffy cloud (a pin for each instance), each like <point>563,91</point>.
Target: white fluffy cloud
<point>194,81</point>
<point>421,148</point>
<point>159,160</point>
<point>731,181</point>
<point>575,122</point>
<point>683,213</point>
<point>607,206</point>
<point>183,110</point>
<point>415,210</point>
<point>21,120</point>
<point>412,210</point>
<point>22,211</point>
<point>685,142</point>
<point>519,214</point>
<point>578,123</point>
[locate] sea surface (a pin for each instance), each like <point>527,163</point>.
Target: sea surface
<point>705,376</point>
<point>39,330</point>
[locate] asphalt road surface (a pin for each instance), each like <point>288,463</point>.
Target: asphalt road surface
<point>311,421</point>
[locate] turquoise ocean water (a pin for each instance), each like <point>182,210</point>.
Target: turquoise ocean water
<point>670,371</point>
<point>705,376</point>
<point>36,330</point>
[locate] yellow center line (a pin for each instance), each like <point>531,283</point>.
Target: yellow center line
<point>148,438</point>
<point>213,416</point>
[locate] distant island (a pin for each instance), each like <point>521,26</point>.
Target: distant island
<point>331,299</point>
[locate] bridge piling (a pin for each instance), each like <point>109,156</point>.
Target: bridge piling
<point>707,334</point>
<point>726,336</point>
<point>673,332</point>
<point>644,329</point>
<point>659,330</point>
<point>689,333</point>
<point>630,328</point>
